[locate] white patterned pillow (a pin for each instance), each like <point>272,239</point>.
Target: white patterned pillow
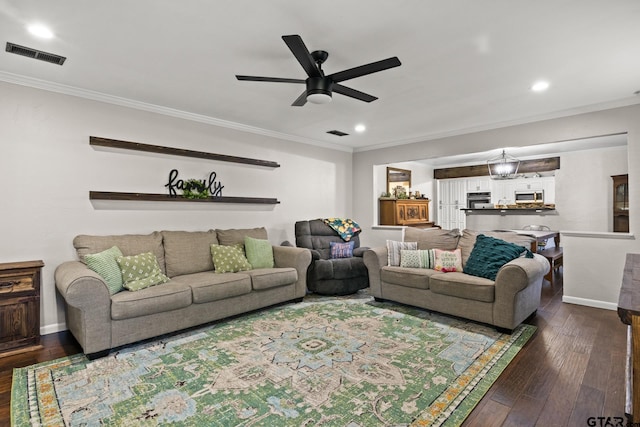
<point>141,271</point>
<point>448,261</point>
<point>394,248</point>
<point>425,258</point>
<point>105,263</point>
<point>229,259</point>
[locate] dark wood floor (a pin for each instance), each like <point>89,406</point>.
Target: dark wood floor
<point>570,370</point>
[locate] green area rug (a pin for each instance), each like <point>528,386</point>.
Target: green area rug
<point>337,363</point>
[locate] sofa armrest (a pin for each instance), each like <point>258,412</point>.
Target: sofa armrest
<point>315,255</point>
<point>374,260</point>
<point>298,258</point>
<point>88,305</point>
<point>518,286</point>
<point>359,252</point>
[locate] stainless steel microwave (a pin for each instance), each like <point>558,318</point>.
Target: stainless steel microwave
<point>529,196</point>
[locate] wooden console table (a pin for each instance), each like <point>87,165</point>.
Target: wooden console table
<point>629,313</point>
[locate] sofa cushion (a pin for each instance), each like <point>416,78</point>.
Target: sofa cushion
<point>235,236</point>
<point>140,271</point>
<point>106,265</point>
<point>431,238</point>
<point>229,259</point>
<point>410,277</point>
<point>267,278</point>
<point>156,299</point>
<point>490,254</point>
<point>463,286</point>
<point>316,235</point>
<point>338,269</point>
<point>188,251</point>
<point>208,286</point>
<point>129,244</point>
<point>259,252</point>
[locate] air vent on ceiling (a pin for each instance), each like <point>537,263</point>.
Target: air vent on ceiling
<point>337,133</point>
<point>35,54</point>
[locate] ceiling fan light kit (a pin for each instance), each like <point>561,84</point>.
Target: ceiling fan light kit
<point>319,90</point>
<point>320,87</point>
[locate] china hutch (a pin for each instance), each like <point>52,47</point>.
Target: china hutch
<point>620,203</point>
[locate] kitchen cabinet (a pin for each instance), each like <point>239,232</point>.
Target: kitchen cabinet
<point>479,184</point>
<point>621,203</point>
<point>505,189</point>
<point>404,212</point>
<point>452,198</point>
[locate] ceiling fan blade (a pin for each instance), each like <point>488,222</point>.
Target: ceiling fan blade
<point>363,70</point>
<point>269,79</point>
<point>302,54</point>
<point>343,90</point>
<point>301,100</point>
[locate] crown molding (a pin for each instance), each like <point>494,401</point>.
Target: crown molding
<point>158,109</point>
<point>625,102</point>
<point>200,118</point>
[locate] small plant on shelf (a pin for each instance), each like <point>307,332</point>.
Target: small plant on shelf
<point>195,189</point>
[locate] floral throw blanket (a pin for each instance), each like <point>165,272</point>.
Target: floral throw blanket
<point>346,228</point>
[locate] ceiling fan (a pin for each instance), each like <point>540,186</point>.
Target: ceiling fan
<point>320,87</point>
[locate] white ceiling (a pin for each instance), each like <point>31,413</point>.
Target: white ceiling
<point>466,65</point>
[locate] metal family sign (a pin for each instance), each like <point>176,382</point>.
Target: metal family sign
<point>214,187</point>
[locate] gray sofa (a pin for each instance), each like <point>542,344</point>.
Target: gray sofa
<point>194,295</point>
<point>504,303</point>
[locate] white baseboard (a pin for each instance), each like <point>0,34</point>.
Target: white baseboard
<point>590,303</point>
<point>52,329</point>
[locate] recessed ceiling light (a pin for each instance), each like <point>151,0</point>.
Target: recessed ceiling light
<point>540,86</point>
<point>40,30</point>
<point>360,128</point>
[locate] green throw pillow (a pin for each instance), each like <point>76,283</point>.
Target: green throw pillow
<point>259,252</point>
<point>490,254</point>
<point>229,259</point>
<point>141,271</point>
<point>420,258</point>
<point>106,265</point>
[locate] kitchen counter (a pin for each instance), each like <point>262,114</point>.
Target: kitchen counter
<point>503,211</point>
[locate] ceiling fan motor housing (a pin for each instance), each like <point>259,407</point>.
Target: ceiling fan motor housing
<point>319,85</point>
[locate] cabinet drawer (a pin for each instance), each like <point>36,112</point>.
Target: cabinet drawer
<point>23,281</point>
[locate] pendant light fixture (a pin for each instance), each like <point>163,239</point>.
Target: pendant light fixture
<point>503,166</point>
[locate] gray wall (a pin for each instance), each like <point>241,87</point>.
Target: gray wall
<point>47,169</point>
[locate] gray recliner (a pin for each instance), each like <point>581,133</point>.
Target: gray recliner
<point>328,276</point>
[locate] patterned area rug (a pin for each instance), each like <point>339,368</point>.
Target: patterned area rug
<point>338,363</point>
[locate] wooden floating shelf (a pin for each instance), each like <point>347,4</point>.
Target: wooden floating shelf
<point>147,197</point>
<point>149,148</point>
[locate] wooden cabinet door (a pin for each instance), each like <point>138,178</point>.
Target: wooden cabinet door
<point>19,327</point>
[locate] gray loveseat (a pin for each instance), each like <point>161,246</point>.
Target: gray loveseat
<point>504,303</point>
<point>194,295</point>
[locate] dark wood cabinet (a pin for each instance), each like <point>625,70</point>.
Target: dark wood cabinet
<point>621,203</point>
<point>629,313</point>
<point>404,212</point>
<point>19,306</point>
